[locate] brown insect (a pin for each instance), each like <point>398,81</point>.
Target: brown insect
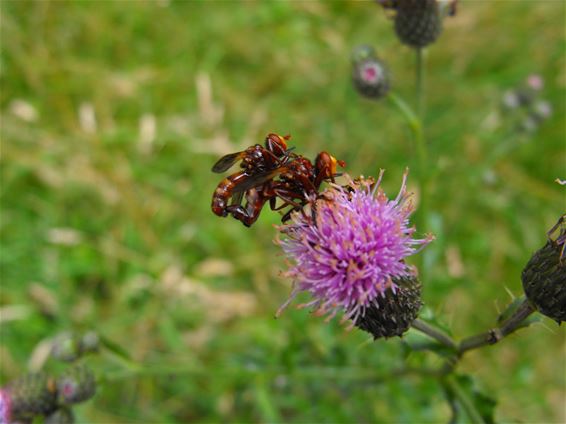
<point>270,173</point>
<point>255,161</point>
<point>294,183</point>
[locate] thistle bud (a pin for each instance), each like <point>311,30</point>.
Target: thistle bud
<point>90,342</point>
<point>544,277</point>
<point>76,385</point>
<point>418,23</point>
<point>69,347</point>
<point>30,396</point>
<point>60,416</point>
<point>392,313</point>
<point>66,347</point>
<point>369,74</point>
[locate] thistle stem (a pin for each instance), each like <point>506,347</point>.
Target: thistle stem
<point>416,126</point>
<point>494,335</point>
<point>331,373</point>
<point>419,82</point>
<point>452,385</point>
<point>435,333</point>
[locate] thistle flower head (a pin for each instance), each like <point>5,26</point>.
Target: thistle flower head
<point>5,407</point>
<point>351,246</point>
<point>535,82</point>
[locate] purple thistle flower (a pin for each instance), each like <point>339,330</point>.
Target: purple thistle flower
<point>5,407</point>
<point>351,247</point>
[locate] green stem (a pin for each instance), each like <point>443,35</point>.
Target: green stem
<point>420,140</point>
<point>435,333</point>
<point>265,402</point>
<point>494,335</point>
<point>419,82</point>
<point>348,373</point>
<point>460,394</point>
<point>415,124</point>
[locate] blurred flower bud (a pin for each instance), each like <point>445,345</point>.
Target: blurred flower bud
<point>525,107</point>
<point>76,385</point>
<point>69,347</point>
<point>418,22</point>
<point>511,100</point>
<point>30,396</point>
<point>392,313</point>
<point>529,124</point>
<point>525,96</point>
<point>60,416</point>
<point>544,277</point>
<point>66,347</point>
<point>535,82</point>
<point>542,110</point>
<point>369,74</point>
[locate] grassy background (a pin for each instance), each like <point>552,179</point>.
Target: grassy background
<point>113,113</point>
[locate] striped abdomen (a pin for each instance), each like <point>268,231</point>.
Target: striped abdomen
<point>224,192</point>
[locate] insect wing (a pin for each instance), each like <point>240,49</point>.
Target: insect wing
<point>258,179</point>
<point>225,162</point>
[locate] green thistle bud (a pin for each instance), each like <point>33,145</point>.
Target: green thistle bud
<point>392,314</point>
<point>369,74</point>
<point>90,342</point>
<point>418,23</point>
<point>544,277</point>
<point>69,347</point>
<point>66,347</point>
<point>76,385</point>
<point>31,395</point>
<point>60,416</point>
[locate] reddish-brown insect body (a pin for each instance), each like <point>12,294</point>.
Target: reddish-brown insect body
<point>270,173</point>
<point>255,160</point>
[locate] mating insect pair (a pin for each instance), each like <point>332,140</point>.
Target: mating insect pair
<point>269,173</point>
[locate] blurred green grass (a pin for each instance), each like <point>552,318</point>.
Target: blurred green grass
<point>106,194</point>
